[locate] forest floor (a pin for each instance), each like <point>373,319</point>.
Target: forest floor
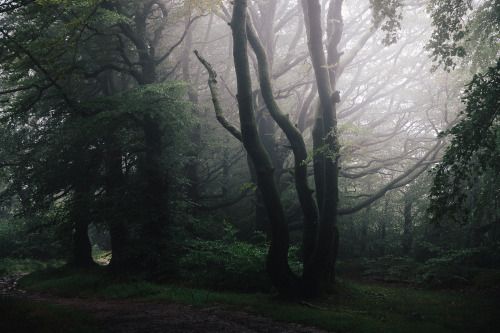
<point>361,306</point>
<point>128,315</point>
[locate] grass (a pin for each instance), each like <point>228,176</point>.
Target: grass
<point>355,308</point>
<point>17,315</point>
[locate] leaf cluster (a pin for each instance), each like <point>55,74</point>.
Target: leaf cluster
<point>388,12</point>
<point>474,148</point>
<point>460,26</point>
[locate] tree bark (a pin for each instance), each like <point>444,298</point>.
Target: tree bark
<point>154,197</point>
<point>193,191</point>
<point>305,194</point>
<point>118,230</point>
<point>407,241</point>
<point>80,215</point>
<point>319,271</point>
<point>265,124</point>
<point>277,260</point>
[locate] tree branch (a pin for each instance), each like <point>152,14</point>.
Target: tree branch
<point>212,84</point>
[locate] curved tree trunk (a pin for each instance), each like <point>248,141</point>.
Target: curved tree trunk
<point>304,192</point>
<point>277,260</point>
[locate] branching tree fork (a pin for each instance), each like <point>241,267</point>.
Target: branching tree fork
<point>319,207</point>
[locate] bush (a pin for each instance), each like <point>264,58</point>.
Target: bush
<point>445,276</point>
<point>10,266</point>
<point>386,269</point>
<point>458,268</point>
<point>10,233</point>
<point>41,237</point>
<point>226,265</point>
<point>423,251</point>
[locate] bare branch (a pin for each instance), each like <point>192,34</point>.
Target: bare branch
<point>212,84</point>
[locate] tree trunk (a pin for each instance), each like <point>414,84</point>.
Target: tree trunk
<point>80,215</point>
<point>407,241</point>
<point>304,192</point>
<point>266,125</point>
<point>277,260</point>
<point>193,191</point>
<point>118,231</point>
<point>364,236</point>
<point>319,271</point>
<point>154,198</point>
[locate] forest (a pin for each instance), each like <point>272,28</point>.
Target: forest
<point>326,163</point>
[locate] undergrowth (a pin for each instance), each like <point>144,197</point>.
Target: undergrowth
<point>466,268</point>
<point>9,266</point>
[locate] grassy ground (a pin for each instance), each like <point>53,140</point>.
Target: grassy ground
<point>21,316</point>
<point>357,307</point>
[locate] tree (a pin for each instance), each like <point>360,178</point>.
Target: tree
<point>73,86</point>
<point>320,239</point>
<point>471,157</point>
<point>473,151</point>
<point>33,75</point>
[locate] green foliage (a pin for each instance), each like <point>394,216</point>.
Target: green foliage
<point>483,30</point>
<point>451,269</point>
<point>394,269</point>
<point>479,257</point>
<point>9,266</point>
<point>474,149</point>
<point>226,263</point>
<point>388,269</point>
<point>10,235</point>
<point>218,259</point>
<point>390,13</point>
<point>460,26</point>
<point>62,280</point>
<point>38,236</point>
<point>447,17</point>
<point>425,250</point>
<point>458,268</point>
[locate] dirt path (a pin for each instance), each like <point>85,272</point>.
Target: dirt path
<point>129,316</point>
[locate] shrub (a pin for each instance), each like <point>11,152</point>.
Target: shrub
<point>457,268</point>
<point>224,264</point>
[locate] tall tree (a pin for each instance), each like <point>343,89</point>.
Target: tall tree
<point>320,230</point>
<point>277,261</point>
<point>86,68</point>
